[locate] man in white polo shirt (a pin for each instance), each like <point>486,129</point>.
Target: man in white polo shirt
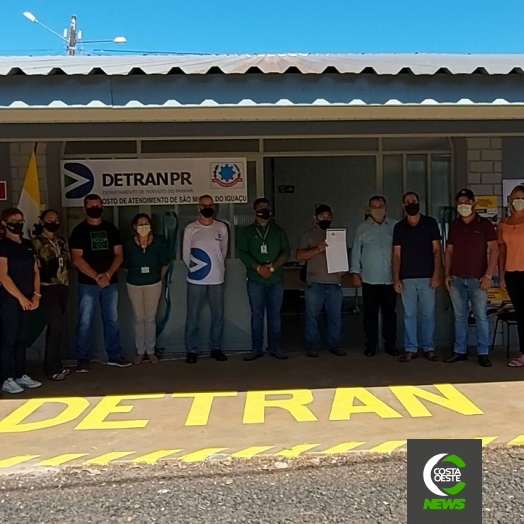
<point>204,253</point>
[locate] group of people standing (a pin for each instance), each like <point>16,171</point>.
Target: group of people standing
<point>389,258</point>
<point>405,258</point>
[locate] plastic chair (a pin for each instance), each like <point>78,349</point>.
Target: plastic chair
<point>509,319</point>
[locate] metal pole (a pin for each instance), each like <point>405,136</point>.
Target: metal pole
<point>71,45</point>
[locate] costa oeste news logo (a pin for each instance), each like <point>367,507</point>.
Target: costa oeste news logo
<point>444,481</point>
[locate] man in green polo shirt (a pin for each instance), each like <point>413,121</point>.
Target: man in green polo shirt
<point>264,249</point>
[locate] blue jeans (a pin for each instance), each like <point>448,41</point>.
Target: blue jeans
<point>464,290</point>
<point>418,295</point>
<point>89,296</point>
<point>265,298</point>
<point>196,297</point>
<point>318,296</point>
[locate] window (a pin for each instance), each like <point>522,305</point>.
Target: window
<point>394,184</point>
<point>429,175</point>
<point>244,212</point>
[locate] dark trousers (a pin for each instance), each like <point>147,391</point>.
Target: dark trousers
<point>14,321</point>
<point>380,298</point>
<point>54,305</point>
<point>515,285</point>
<point>265,299</point>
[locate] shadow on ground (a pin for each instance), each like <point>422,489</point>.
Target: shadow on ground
<point>299,371</point>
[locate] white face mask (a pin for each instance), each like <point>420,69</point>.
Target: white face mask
<point>378,214</point>
<point>518,204</point>
<point>465,210</point>
<point>143,231</point>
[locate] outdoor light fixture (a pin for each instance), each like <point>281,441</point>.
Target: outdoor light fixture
<point>71,36</point>
<point>30,16</point>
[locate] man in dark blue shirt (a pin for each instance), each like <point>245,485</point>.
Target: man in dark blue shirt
<point>416,275</point>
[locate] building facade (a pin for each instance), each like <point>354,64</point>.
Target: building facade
<point>312,128</point>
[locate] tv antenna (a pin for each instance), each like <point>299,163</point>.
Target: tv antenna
<point>72,37</point>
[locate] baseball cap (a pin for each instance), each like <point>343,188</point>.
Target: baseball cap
<point>322,208</point>
<point>465,193</point>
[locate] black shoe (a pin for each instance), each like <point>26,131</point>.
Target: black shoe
<point>312,353</point>
<point>119,362</point>
<point>253,356</point>
<point>82,367</point>
<point>338,352</point>
<point>456,357</point>
<point>192,358</point>
<point>370,351</point>
<point>484,361</point>
<point>279,355</point>
<point>218,355</point>
<point>393,351</point>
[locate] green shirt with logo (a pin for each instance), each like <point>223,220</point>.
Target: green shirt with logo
<point>258,245</point>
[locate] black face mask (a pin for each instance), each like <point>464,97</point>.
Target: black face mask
<point>324,224</point>
<point>52,227</point>
<point>264,214</point>
<point>207,212</point>
<point>94,212</point>
<point>15,229</point>
<point>412,209</point>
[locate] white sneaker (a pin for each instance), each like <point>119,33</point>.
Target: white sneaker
<point>28,382</point>
<point>10,386</point>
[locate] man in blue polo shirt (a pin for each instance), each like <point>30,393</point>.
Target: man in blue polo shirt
<point>416,275</point>
<point>371,270</point>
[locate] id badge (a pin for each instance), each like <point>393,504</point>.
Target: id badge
<point>263,249</point>
<point>145,270</point>
<point>60,262</point>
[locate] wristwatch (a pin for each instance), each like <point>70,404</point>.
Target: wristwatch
<point>272,269</point>
<point>37,294</point>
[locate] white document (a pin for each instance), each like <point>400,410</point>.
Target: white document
<point>336,251</point>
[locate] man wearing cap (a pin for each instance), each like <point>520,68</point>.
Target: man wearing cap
<point>323,289</point>
<point>471,258</point>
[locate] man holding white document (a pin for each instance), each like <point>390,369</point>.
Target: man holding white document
<point>325,253</point>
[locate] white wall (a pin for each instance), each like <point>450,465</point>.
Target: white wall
<point>485,167</point>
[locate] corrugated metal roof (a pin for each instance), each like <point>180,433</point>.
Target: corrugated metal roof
<point>379,64</point>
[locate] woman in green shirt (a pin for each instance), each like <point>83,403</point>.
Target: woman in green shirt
<point>145,258</point>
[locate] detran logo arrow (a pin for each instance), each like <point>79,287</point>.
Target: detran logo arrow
<point>78,180</point>
<point>199,265</point>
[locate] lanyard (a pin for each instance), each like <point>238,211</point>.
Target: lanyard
<point>143,248</point>
<point>56,247</point>
<point>265,234</point>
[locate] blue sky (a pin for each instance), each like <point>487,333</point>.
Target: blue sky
<point>271,26</point>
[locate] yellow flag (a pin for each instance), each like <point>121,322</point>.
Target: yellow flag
<point>29,202</point>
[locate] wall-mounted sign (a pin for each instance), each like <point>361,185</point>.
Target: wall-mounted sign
<point>507,188</point>
<point>135,182</point>
<point>286,189</point>
<point>3,190</point>
<point>487,207</point>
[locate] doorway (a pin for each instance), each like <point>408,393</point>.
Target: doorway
<point>297,186</point>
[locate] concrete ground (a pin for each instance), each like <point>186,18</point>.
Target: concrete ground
<point>151,413</point>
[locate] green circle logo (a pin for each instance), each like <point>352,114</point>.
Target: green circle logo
<point>433,476</point>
